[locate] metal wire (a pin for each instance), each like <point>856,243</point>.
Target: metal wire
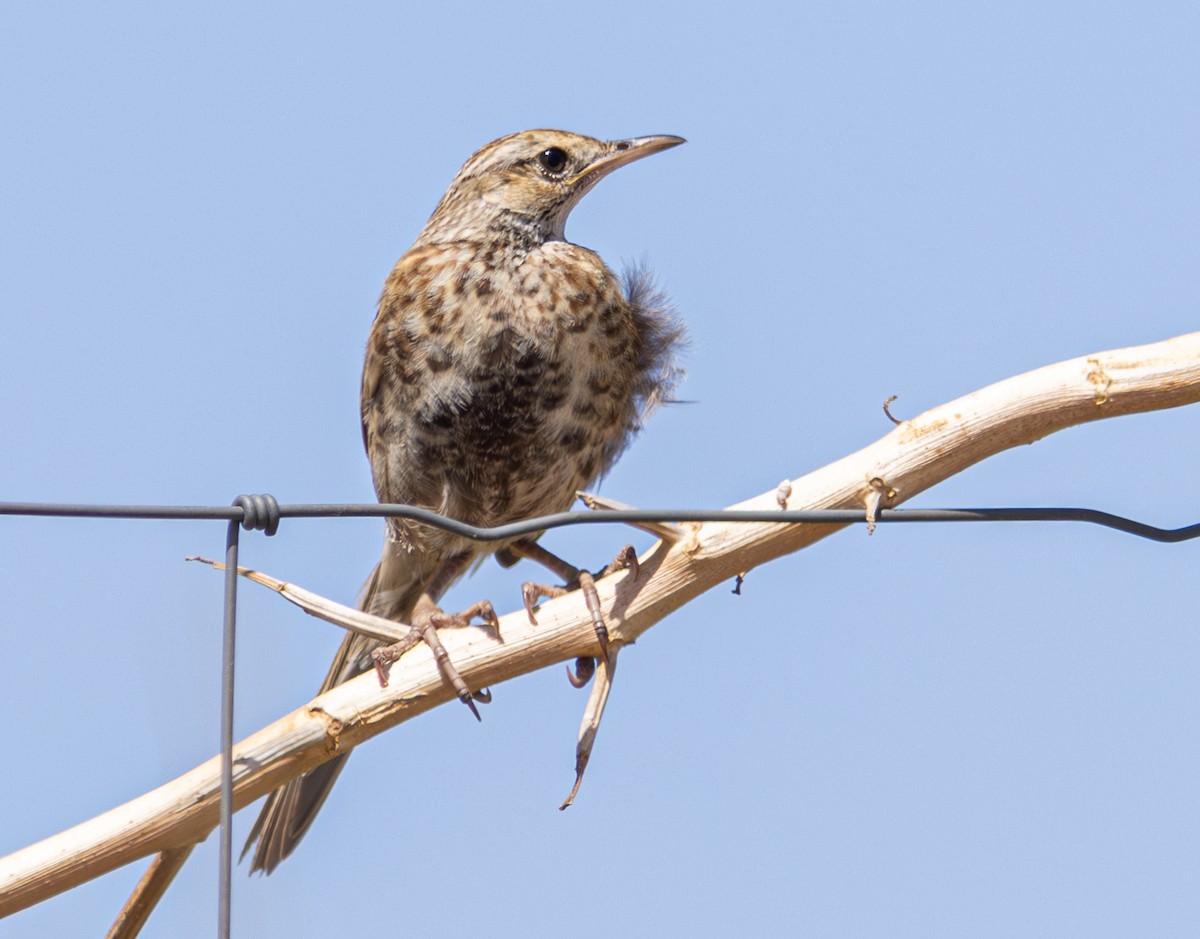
<point>263,513</point>
<point>236,513</point>
<point>228,656</point>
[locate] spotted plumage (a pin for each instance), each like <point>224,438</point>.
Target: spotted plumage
<point>506,369</point>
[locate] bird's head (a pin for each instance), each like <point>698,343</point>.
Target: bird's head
<point>527,183</point>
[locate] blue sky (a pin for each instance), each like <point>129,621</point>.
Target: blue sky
<point>936,731</point>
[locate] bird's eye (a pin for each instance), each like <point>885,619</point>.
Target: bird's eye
<point>553,159</point>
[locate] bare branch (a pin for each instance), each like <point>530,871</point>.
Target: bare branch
<point>592,715</point>
<point>148,892</point>
<point>914,456</point>
<point>348,617</point>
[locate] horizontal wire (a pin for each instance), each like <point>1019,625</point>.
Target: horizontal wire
<point>607,516</point>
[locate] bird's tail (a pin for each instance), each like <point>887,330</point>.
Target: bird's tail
<point>392,591</point>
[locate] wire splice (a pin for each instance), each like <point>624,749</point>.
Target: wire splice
<point>259,513</point>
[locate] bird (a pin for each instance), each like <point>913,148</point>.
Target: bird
<point>506,369</point>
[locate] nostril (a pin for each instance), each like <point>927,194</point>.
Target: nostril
<point>623,145</point>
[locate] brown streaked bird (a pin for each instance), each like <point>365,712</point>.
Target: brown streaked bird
<point>506,369</point>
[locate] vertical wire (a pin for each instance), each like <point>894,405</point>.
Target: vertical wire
<point>224,886</point>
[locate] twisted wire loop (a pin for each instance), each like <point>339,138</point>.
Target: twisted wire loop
<point>259,512</point>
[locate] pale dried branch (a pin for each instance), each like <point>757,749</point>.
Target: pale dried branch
<point>148,891</point>
<point>592,715</point>
<point>914,456</point>
<point>348,617</point>
<point>666,531</point>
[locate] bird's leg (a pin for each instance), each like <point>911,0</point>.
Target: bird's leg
<point>574,578</point>
<point>427,619</point>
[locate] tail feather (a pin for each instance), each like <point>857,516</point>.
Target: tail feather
<point>288,813</point>
<point>392,590</point>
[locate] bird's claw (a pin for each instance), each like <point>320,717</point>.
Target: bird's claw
<point>585,668</point>
<point>574,578</point>
<point>424,628</point>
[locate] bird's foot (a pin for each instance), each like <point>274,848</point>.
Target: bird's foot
<point>426,622</point>
<point>576,579</point>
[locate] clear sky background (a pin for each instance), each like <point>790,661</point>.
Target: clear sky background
<point>935,731</point>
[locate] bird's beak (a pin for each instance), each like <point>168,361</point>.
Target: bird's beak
<point>621,152</point>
